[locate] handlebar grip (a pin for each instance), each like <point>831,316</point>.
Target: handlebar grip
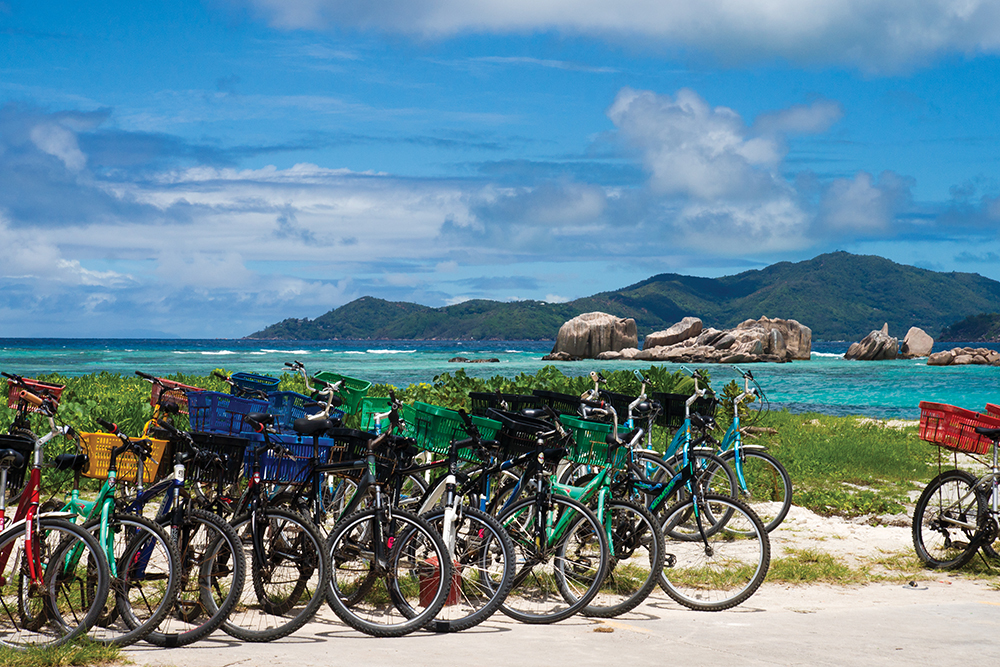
<point>26,395</point>
<point>592,404</point>
<point>146,376</point>
<point>220,376</point>
<point>106,425</point>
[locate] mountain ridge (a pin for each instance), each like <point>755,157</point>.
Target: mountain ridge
<point>838,295</point>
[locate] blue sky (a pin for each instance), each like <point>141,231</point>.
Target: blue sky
<point>204,168</point>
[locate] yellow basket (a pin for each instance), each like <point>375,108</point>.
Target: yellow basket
<point>98,447</point>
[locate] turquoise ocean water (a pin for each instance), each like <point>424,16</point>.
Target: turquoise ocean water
<point>827,383</point>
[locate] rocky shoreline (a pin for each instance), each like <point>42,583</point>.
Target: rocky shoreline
<point>606,337</point>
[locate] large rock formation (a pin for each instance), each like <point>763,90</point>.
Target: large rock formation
<point>689,327</point>
<point>916,343</point>
<point>588,335</point>
<point>961,356</point>
<point>876,346</point>
<point>751,341</point>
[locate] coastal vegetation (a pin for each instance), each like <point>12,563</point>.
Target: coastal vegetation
<point>840,296</point>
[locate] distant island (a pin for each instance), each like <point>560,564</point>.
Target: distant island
<point>981,328</point>
<point>840,296</point>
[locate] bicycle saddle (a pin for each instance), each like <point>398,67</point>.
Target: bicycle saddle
<point>75,462</point>
<point>10,458</point>
<point>306,426</point>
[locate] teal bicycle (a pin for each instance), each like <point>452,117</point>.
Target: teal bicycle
<point>763,482</point>
<point>143,559</point>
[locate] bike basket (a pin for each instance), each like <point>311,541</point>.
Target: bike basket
<point>175,392</point>
<point>480,402</point>
<point>294,467</point>
<point>98,447</point>
<point>672,414</point>
<point>40,389</point>
<point>352,445</point>
<point>590,444</point>
<point>564,404</point>
<point>352,391</point>
<point>518,434</point>
<point>953,428</point>
<point>24,446</point>
<point>229,448</point>
<point>287,406</point>
<point>993,410</point>
<point>254,382</point>
<point>215,412</point>
<point>373,405</point>
<point>436,428</point>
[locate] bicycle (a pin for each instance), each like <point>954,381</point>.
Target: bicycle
<point>391,572</point>
<point>957,512</point>
<point>763,482</point>
<point>47,597</point>
<point>212,561</point>
<point>561,548</point>
<point>144,563</point>
<point>289,565</point>
<point>479,547</point>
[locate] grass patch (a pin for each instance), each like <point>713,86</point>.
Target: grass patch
<point>81,653</point>
<point>846,467</point>
<point>808,566</point>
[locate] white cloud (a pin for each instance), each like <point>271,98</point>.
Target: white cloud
<point>60,142</point>
<point>874,34</point>
<point>800,119</point>
<point>693,149</point>
<point>862,205</point>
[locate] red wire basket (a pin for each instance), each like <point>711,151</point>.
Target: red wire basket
<point>174,393</point>
<point>41,389</point>
<point>953,428</point>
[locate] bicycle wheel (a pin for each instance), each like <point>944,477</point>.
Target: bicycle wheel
<point>213,570</point>
<point>946,520</point>
<point>483,563</point>
<point>767,489</point>
<point>55,607</point>
<point>553,582</point>
<point>145,582</point>
<point>402,594</point>
<point>288,576</point>
<point>713,566</point>
<point>637,549</point>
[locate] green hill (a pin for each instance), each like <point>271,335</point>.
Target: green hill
<point>838,295</point>
<point>981,328</point>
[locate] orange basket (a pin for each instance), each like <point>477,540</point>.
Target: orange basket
<point>953,428</point>
<point>98,447</point>
<point>175,393</point>
<point>35,387</point>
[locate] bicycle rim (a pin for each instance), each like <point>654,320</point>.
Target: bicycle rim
<point>55,608</point>
<point>713,567</point>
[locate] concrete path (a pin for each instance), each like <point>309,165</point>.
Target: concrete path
<point>939,623</point>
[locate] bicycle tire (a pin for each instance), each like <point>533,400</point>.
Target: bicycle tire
<point>213,572</point>
<point>768,487</point>
<point>411,591</point>
<point>557,582</point>
<point>288,579</point>
<point>950,497</point>
<point>636,563</point>
<point>484,569</point>
<point>55,609</point>
<point>144,588</point>
<point>724,564</point>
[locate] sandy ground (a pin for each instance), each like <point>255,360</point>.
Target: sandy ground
<point>936,620</point>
